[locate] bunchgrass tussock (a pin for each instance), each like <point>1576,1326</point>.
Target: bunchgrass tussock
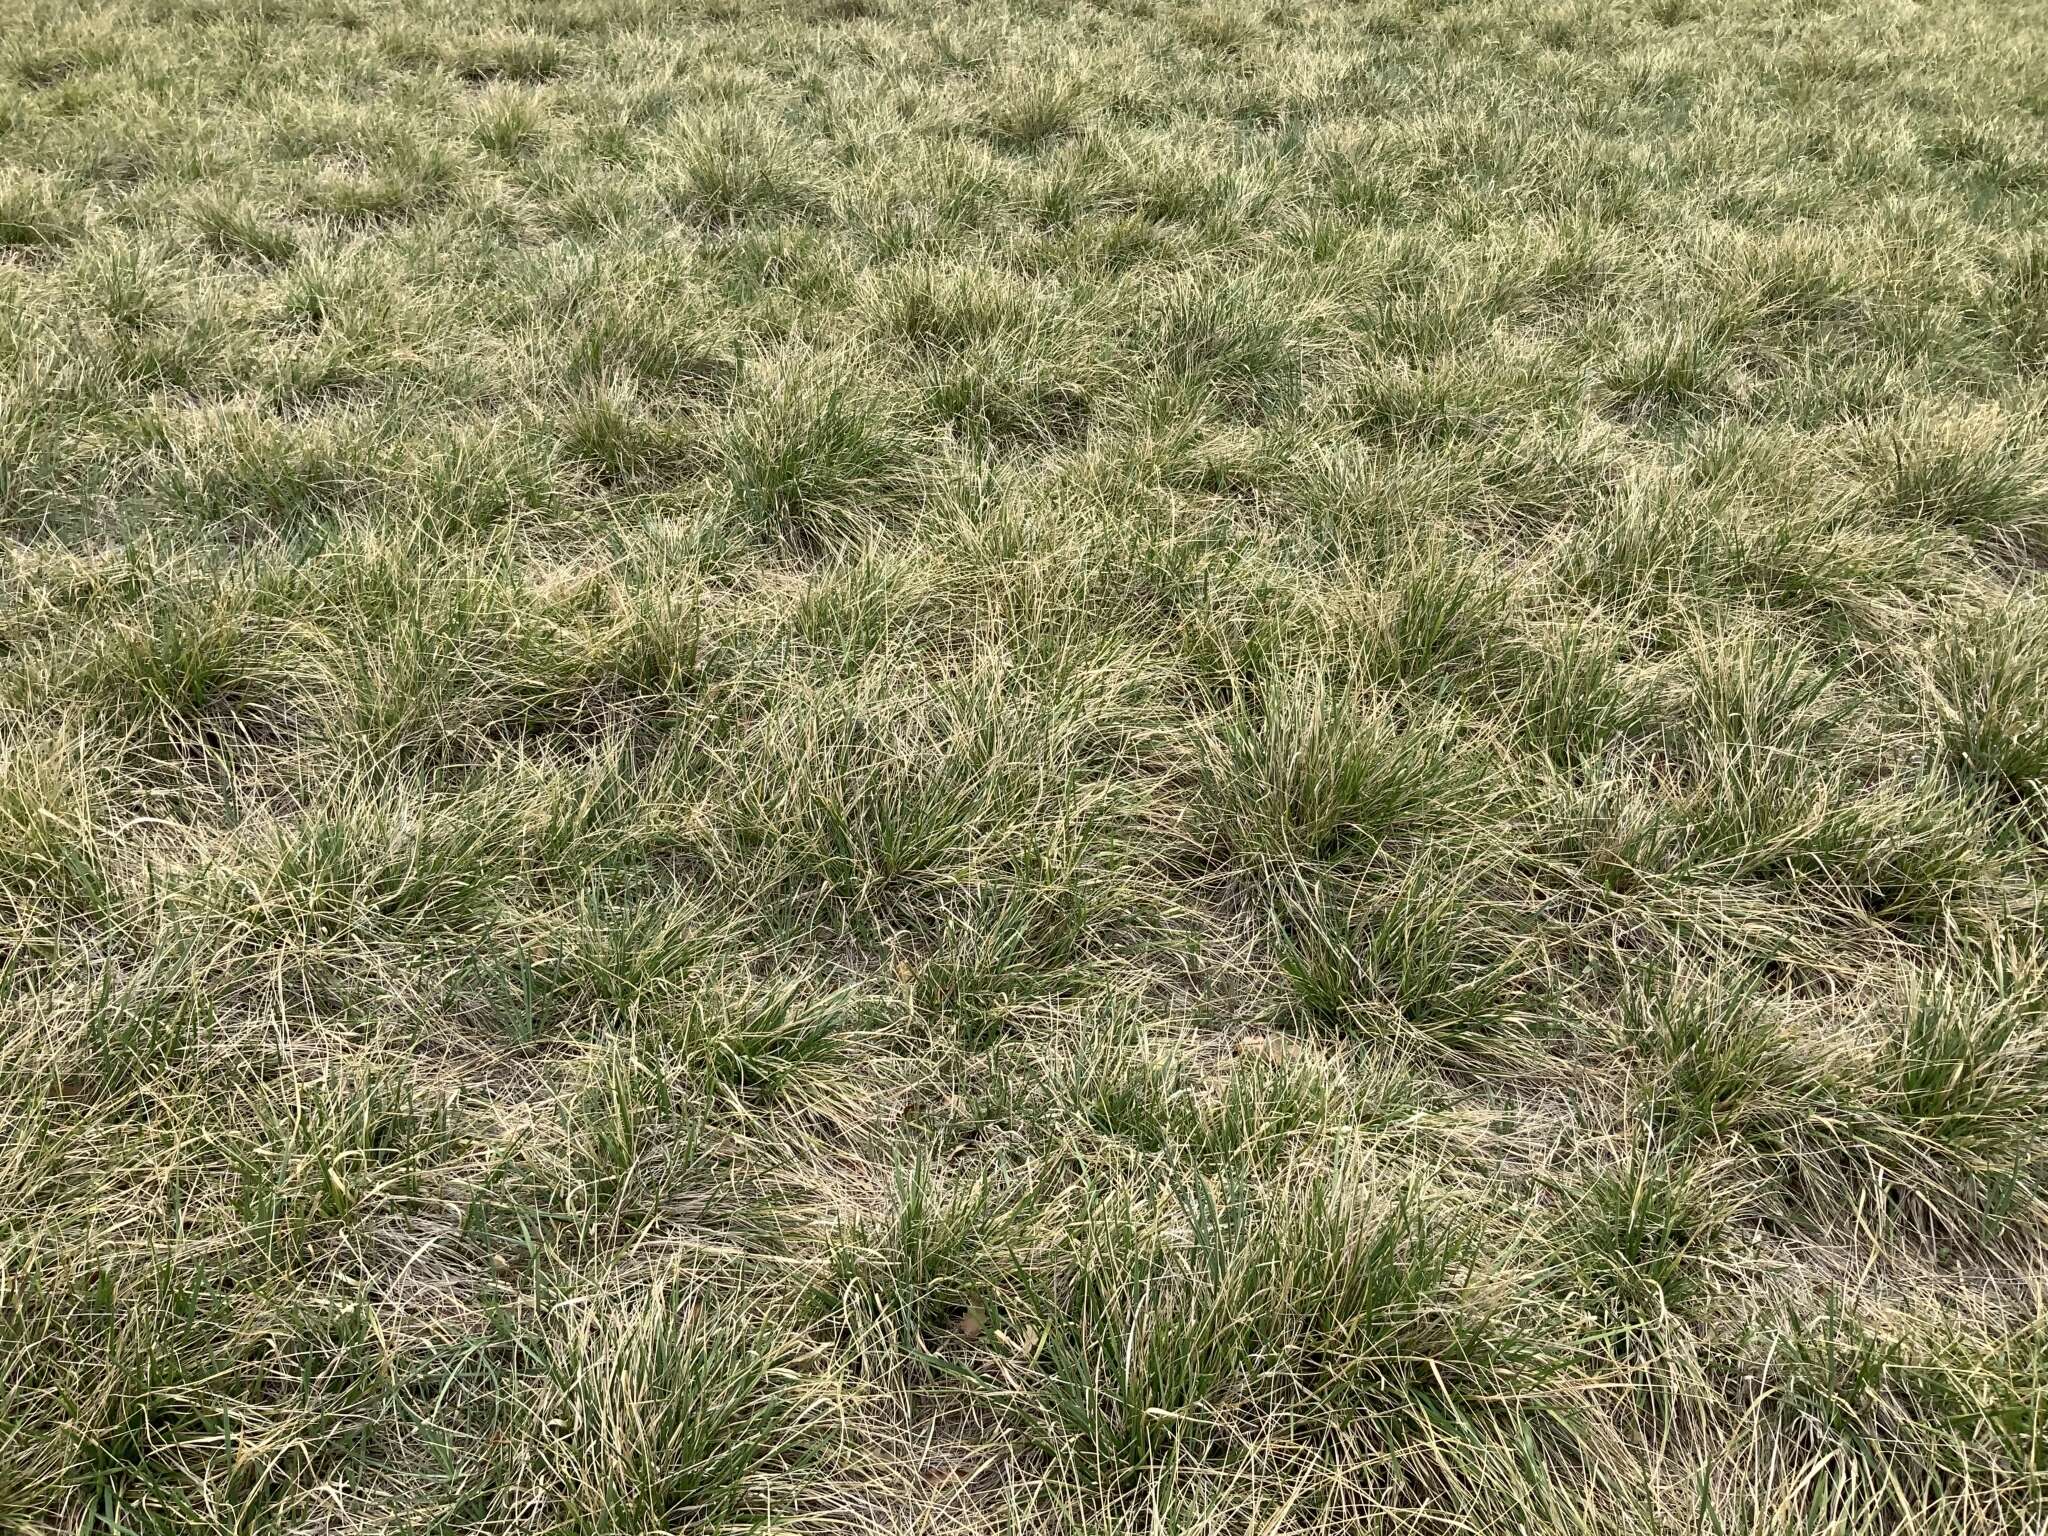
<point>1971,473</point>
<point>1033,109</point>
<point>1656,376</point>
<point>57,869</point>
<point>812,459</point>
<point>762,1043</point>
<point>650,1410</point>
<point>321,1157</point>
<point>611,435</point>
<point>1231,342</point>
<point>1272,1100</point>
<point>1644,1235</point>
<point>506,54</point>
<point>1425,961</point>
<point>232,230</point>
<point>732,169</point>
<point>2020,283</point>
<point>510,123</point>
<point>1954,1078</point>
<point>1310,770</point>
<point>605,963</point>
<point>918,1275</point>
<point>1989,676</point>
<point>1725,1066</point>
<point>1171,1317</point>
<point>652,343</point>
<point>35,216</point>
<point>185,660</point>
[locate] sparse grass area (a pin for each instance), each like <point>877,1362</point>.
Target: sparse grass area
<point>851,766</point>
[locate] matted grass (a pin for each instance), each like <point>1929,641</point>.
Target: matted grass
<point>865,767</point>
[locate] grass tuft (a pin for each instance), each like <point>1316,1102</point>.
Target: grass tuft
<point>650,1411</point>
<point>1990,677</point>
<point>811,458</point>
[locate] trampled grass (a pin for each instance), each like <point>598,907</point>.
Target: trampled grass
<point>855,766</point>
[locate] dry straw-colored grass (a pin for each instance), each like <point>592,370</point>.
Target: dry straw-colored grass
<point>1023,767</point>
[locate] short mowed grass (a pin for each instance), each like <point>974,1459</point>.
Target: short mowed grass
<point>859,766</point>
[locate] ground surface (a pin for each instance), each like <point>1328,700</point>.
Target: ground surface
<point>879,766</point>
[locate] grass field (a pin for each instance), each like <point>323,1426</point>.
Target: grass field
<point>876,766</point>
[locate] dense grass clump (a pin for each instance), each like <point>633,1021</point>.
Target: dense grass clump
<point>1146,765</point>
